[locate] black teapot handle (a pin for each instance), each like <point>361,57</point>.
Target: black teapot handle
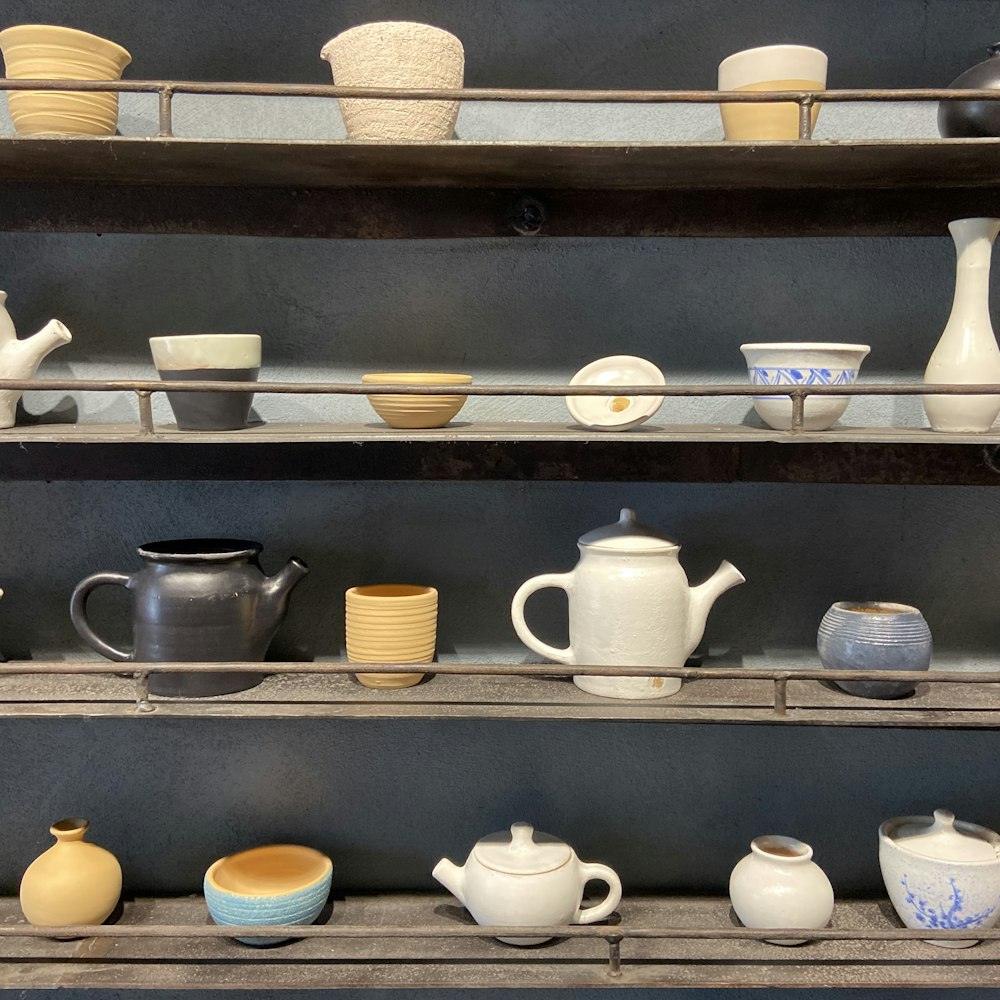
<point>78,613</point>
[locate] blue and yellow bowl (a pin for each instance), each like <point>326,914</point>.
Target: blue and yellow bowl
<point>278,884</point>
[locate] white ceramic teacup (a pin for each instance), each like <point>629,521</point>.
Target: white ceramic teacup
<point>803,364</point>
<point>771,67</point>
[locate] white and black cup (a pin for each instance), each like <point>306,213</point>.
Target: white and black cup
<point>208,357</point>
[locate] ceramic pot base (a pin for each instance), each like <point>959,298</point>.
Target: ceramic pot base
<point>628,688</point>
<point>200,685</point>
<point>211,411</point>
<point>389,682</point>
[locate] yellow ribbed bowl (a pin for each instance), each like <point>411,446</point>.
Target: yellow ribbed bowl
<point>412,412</point>
<point>49,52</point>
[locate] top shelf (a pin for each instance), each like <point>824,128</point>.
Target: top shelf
<point>487,189</point>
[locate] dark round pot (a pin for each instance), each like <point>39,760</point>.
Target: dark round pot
<point>973,119</point>
<point>873,635</point>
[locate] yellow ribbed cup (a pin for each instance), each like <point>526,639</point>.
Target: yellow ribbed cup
<point>391,623</point>
<point>411,412</point>
<point>49,52</point>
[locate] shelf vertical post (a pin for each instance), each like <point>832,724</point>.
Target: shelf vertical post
<point>806,102</point>
<point>166,129</point>
<point>145,410</point>
<point>614,955</point>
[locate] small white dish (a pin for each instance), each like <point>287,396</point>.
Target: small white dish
<point>615,413</point>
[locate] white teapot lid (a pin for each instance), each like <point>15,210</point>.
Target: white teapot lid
<point>522,851</point>
<point>627,534</point>
<point>940,839</point>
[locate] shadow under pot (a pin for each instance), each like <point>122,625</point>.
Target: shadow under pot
<point>196,601</point>
<point>221,357</point>
<point>874,635</point>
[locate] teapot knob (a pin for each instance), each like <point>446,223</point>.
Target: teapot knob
<point>522,837</point>
<point>944,819</point>
<point>627,517</point>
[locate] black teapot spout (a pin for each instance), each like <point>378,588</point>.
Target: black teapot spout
<point>275,591</point>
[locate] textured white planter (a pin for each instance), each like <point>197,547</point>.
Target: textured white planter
<point>397,54</point>
<point>778,885</point>
<point>967,351</point>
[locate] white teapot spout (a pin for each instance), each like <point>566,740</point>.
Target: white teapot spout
<point>452,878</point>
<point>19,359</point>
<point>704,596</point>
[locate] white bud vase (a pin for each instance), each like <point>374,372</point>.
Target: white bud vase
<point>967,351</point>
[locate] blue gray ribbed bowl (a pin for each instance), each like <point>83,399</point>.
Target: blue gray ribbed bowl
<point>873,635</point>
<point>278,884</point>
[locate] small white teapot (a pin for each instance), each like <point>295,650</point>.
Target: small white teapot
<point>527,879</point>
<point>630,604</point>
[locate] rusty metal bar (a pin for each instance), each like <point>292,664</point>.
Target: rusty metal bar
<point>614,955</point>
<point>145,410</point>
<point>142,702</point>
<point>805,116</point>
<point>359,389</point>
<point>775,674</point>
<point>361,931</point>
<point>798,397</point>
<point>506,94</point>
<point>781,695</point>
<point>166,129</point>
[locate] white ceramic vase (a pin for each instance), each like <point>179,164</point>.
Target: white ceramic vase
<point>967,351</point>
<point>397,54</point>
<point>778,885</point>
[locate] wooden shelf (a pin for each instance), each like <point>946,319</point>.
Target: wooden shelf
<point>500,451</point>
<point>970,703</point>
<point>475,189</point>
<point>371,961</point>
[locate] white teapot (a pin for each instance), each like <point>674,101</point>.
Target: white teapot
<point>629,603</point>
<point>527,879</point>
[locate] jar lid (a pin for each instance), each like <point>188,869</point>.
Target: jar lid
<point>627,534</point>
<point>942,840</point>
<point>522,851</point>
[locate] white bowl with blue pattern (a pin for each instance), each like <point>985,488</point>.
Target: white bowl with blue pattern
<point>803,365</point>
<point>941,873</point>
<point>277,884</point>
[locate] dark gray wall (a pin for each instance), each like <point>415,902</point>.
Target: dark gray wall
<point>671,807</point>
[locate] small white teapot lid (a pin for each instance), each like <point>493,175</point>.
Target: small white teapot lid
<point>627,534</point>
<point>942,841</point>
<point>522,851</point>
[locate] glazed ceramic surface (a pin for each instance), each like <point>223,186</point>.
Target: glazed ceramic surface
<point>528,879</point>
<point>20,358</point>
<point>771,67</point>
<point>48,52</point>
<point>73,882</point>
<point>941,873</point>
<point>778,885</point>
<point>874,635</point>
<point>967,351</point>
<point>615,413</point>
<point>278,884</point>
<point>629,603</point>
<point>801,364</point>
<point>196,600</point>
<point>223,357</point>
<point>973,119</point>
<point>391,623</point>
<point>410,412</point>
<point>397,54</point>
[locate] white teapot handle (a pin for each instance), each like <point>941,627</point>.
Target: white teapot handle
<point>562,581</point>
<point>601,873</point>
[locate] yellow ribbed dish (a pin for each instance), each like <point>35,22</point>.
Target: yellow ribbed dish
<point>412,412</point>
<point>49,52</point>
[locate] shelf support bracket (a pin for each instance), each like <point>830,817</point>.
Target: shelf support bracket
<point>142,702</point>
<point>798,409</point>
<point>614,955</point>
<point>805,116</point>
<point>145,398</point>
<point>166,129</point>
<point>780,695</point>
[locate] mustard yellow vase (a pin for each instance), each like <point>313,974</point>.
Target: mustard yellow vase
<point>73,882</point>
